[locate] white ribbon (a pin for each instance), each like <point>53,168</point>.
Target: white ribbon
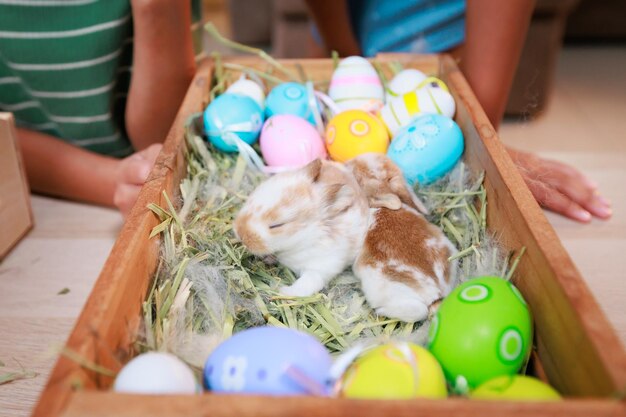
<point>230,137</point>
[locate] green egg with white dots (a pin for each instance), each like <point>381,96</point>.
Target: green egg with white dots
<point>483,329</point>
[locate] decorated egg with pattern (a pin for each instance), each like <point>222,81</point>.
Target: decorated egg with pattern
<point>400,111</point>
<point>482,330</point>
<point>355,132</point>
<point>356,85</point>
<point>232,116</point>
<point>427,148</point>
<point>515,388</point>
<point>248,88</point>
<point>289,141</point>
<point>394,371</point>
<point>291,98</point>
<point>269,360</point>
<point>404,82</point>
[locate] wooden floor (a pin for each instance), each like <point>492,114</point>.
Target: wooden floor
<point>584,125</point>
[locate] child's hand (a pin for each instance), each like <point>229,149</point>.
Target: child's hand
<point>561,188</point>
<point>131,174</point>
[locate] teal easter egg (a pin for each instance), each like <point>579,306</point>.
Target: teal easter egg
<point>290,98</point>
<point>482,330</point>
<point>232,114</point>
<point>427,148</point>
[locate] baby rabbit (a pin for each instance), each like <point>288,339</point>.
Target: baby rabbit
<point>403,265</point>
<point>313,220</point>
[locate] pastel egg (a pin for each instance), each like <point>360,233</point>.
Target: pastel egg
<point>482,330</point>
<point>404,82</point>
<point>515,388</point>
<point>394,371</point>
<point>269,360</point>
<point>232,114</point>
<point>156,373</point>
<point>355,132</point>
<point>248,88</point>
<point>355,84</point>
<point>400,111</point>
<point>427,149</point>
<point>290,98</point>
<point>290,141</point>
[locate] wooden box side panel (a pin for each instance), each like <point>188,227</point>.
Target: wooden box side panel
<point>104,332</point>
<point>578,348</point>
<point>103,404</point>
<point>16,217</point>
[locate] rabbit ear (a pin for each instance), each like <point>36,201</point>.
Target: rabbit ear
<point>390,201</point>
<point>313,169</point>
<point>338,198</point>
<point>406,194</point>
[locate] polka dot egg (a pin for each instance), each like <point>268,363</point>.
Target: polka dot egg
<point>290,98</point>
<point>355,85</point>
<point>482,330</point>
<point>355,132</point>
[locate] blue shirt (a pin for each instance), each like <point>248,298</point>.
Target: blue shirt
<point>416,26</point>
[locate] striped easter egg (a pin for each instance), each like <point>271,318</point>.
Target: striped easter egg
<point>400,111</point>
<point>355,85</point>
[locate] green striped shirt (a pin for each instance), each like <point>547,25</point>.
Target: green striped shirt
<point>65,68</point>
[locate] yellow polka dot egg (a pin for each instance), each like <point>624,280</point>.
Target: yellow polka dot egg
<point>355,132</point>
<point>394,371</point>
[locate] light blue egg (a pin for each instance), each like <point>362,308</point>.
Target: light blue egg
<point>289,98</point>
<point>269,360</point>
<point>427,148</point>
<point>236,113</point>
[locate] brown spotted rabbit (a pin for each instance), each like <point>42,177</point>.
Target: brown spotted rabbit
<point>403,265</point>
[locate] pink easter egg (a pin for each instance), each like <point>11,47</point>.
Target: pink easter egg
<point>289,141</point>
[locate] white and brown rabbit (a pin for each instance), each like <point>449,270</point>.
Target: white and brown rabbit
<point>313,220</point>
<point>403,265</point>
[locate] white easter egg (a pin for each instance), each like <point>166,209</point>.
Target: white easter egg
<point>400,111</point>
<point>404,82</point>
<point>355,85</point>
<point>156,373</point>
<point>248,88</point>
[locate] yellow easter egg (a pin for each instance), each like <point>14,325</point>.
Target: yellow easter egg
<point>515,387</point>
<point>394,371</point>
<point>355,132</point>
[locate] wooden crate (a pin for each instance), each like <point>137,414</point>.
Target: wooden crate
<point>576,348</point>
<point>16,217</point>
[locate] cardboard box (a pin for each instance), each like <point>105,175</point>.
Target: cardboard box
<point>16,217</point>
<point>576,349</point>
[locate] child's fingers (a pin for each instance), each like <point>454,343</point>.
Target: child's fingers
<point>550,198</point>
<point>135,170</point>
<point>125,197</point>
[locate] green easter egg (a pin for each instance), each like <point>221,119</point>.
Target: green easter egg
<point>482,330</point>
<point>517,387</point>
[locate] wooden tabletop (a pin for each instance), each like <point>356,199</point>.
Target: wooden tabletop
<point>583,126</point>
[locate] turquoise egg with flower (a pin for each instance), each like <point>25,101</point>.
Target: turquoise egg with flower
<point>231,116</point>
<point>482,330</point>
<point>427,148</point>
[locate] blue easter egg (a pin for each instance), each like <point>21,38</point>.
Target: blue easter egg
<point>289,98</point>
<point>269,360</point>
<point>234,113</point>
<point>427,148</point>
